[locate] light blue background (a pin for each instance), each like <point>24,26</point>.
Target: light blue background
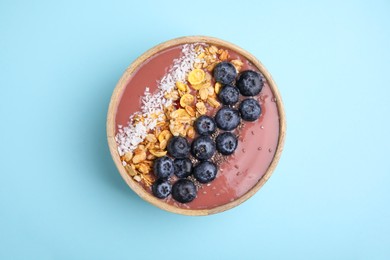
<point>61,196</point>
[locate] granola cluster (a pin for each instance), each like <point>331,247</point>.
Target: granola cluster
<point>194,97</point>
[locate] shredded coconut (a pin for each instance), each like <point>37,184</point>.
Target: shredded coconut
<point>152,109</point>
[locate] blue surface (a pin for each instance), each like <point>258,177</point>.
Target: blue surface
<point>61,196</point>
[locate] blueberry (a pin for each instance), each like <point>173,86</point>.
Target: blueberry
<point>250,109</point>
<point>205,172</point>
<point>227,118</point>
<point>229,95</point>
<point>184,191</point>
<point>225,72</point>
<point>249,83</point>
<point>226,143</point>
<point>163,167</point>
<point>183,167</point>
<point>178,147</point>
<point>205,125</point>
<point>161,188</point>
<point>203,147</point>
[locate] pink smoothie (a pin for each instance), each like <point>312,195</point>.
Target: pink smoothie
<point>257,140</point>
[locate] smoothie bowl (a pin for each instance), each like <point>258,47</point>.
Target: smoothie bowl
<point>196,125</point>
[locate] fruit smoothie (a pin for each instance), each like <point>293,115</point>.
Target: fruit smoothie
<point>239,153</point>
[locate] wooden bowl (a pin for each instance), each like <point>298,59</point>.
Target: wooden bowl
<point>111,125</point>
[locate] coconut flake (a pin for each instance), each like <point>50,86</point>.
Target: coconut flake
<point>152,109</point>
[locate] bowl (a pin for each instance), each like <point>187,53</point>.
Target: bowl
<point>119,111</point>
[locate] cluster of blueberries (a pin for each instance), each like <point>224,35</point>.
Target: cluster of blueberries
<point>249,83</point>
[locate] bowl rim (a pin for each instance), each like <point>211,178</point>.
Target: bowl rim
<point>116,97</point>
